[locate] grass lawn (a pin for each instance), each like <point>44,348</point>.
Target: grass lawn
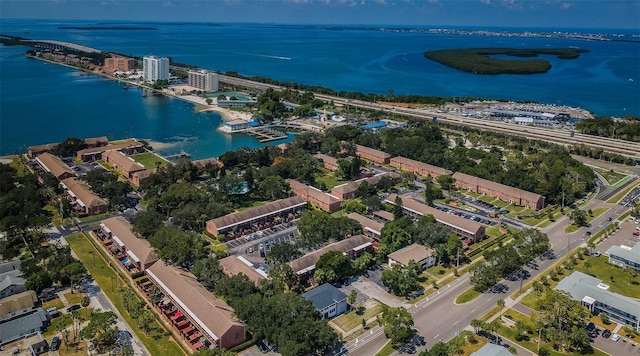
<point>74,298</point>
<point>351,320</point>
<point>330,180</point>
<point>386,350</point>
<point>149,160</point>
<point>53,303</point>
<point>252,205</point>
<point>487,199</point>
<point>467,296</point>
<point>20,168</point>
<point>102,273</point>
<point>494,231</point>
<point>96,217</point>
<point>596,212</point>
<point>473,194</point>
<point>611,176</point>
<point>571,228</point>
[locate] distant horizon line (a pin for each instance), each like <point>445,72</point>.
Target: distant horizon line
<point>439,26</point>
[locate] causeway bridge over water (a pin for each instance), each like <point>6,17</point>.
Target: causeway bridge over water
<point>50,44</point>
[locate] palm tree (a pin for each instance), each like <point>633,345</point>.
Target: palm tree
<point>476,324</point>
<point>501,304</point>
<point>538,288</point>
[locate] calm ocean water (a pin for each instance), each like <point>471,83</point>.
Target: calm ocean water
<point>45,103</point>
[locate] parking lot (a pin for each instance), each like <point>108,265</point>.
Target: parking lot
<point>256,247</point>
<point>632,198</point>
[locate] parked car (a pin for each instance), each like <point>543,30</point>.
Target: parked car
<point>596,253</point>
<point>615,337</point>
<point>73,307</point>
<point>590,327</point>
<point>637,233</point>
<point>54,344</point>
<point>606,333</point>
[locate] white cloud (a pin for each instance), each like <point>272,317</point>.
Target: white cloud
<point>566,5</point>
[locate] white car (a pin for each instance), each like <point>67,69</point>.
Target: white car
<point>615,337</point>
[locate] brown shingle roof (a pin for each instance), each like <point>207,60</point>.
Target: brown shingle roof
<point>514,192</point>
<point>353,186</point>
<point>414,252</point>
<point>213,315</point>
<point>303,263</point>
<point>124,163</point>
<point>312,192</point>
<point>442,217</point>
<point>83,193</point>
<point>140,248</point>
<point>235,265</point>
<point>372,152</point>
<point>421,166</point>
<point>95,140</point>
<point>366,222</point>
<point>253,213</point>
<point>326,159</point>
<point>15,302</point>
<point>54,165</point>
<point>109,147</point>
<point>203,162</point>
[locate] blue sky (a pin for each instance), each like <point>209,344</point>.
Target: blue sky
<point>507,13</point>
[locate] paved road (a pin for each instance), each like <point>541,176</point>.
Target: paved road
<point>439,318</point>
<point>100,301</point>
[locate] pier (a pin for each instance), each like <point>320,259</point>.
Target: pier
<point>178,156</point>
<point>265,134</point>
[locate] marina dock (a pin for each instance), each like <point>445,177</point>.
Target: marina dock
<point>265,134</point>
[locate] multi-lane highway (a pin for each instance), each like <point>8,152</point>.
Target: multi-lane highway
<point>626,148</point>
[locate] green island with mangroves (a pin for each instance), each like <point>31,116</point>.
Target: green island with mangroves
<point>480,60</point>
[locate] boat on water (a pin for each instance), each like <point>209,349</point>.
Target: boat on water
<point>126,87</point>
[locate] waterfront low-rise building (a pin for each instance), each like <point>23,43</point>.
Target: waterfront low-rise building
<point>126,165</point>
<point>91,154</point>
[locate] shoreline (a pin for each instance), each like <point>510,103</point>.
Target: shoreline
<point>226,115</point>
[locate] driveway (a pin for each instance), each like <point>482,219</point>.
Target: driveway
<point>373,287</point>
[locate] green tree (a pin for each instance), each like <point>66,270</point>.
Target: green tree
<point>501,305</point>
<point>438,349</point>
<point>352,297</point>
<point>578,217</point>
<point>398,325</point>
<point>337,262</point>
<point>101,329</point>
<point>401,280</point>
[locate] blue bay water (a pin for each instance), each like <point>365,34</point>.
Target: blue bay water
<point>44,103</point>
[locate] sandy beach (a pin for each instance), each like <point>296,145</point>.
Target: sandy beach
<point>226,114</point>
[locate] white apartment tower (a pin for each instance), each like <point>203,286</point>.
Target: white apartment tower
<point>203,80</point>
<point>155,68</point>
